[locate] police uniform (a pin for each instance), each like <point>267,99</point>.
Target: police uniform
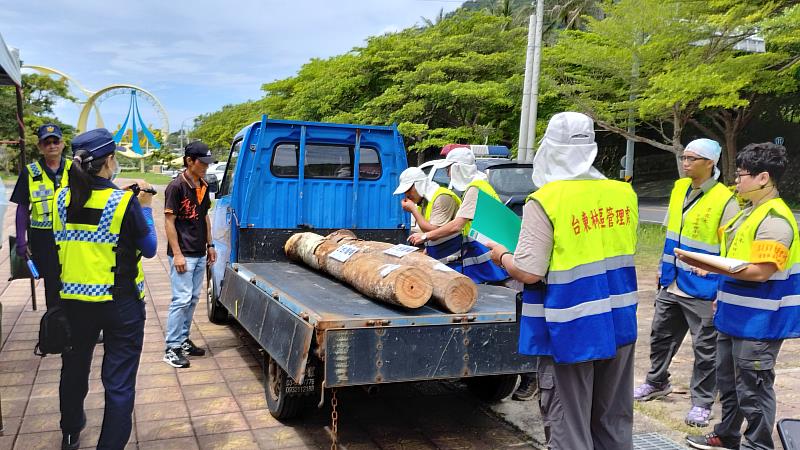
<point>99,250</point>
<point>683,302</point>
<point>753,319</point>
<point>582,321</point>
<point>34,190</point>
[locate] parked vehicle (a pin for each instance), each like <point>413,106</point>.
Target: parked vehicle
<point>284,177</point>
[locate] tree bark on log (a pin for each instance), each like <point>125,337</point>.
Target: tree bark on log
<point>452,291</point>
<point>366,271</point>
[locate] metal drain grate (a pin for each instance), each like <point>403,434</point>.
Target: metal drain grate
<point>655,441</point>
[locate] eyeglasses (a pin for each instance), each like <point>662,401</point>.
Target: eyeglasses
<point>51,141</point>
<point>742,174</point>
<point>691,159</point>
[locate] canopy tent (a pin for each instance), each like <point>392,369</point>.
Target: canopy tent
<point>10,76</point>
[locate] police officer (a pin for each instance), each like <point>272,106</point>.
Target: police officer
<point>579,235</point>
<point>33,195</point>
<point>101,232</point>
<point>699,204</point>
<point>463,253</point>
<point>756,306</point>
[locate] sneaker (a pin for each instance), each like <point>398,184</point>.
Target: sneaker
<point>527,388</point>
<point>175,358</point>
<point>698,417</point>
<point>712,441</point>
<point>192,350</point>
<point>71,441</point>
<point>647,391</point>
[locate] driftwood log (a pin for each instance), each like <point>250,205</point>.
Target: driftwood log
<point>366,271</point>
<point>452,291</point>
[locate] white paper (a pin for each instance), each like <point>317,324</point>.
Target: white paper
<point>443,268</point>
<point>343,253</point>
<point>400,250</point>
<point>386,269</point>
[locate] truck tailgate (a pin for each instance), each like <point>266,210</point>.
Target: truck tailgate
<point>328,303</point>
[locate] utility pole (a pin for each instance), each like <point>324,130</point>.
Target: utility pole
<point>530,91</point>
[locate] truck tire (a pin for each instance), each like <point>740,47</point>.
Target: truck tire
<point>494,388</point>
<point>282,405</point>
<point>216,312</point>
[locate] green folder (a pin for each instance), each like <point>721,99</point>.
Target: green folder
<point>495,222</point>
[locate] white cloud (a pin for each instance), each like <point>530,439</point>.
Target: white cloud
<point>195,56</point>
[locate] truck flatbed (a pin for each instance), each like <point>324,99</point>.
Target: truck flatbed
<point>330,304</point>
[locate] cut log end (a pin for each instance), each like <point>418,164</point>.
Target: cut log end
<point>410,287</point>
<point>459,297</point>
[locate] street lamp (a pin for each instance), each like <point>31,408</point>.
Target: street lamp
<point>183,130</point>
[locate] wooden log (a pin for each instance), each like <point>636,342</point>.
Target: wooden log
<point>452,291</point>
<point>366,271</point>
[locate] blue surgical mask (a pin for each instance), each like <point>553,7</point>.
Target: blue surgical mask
<point>117,170</point>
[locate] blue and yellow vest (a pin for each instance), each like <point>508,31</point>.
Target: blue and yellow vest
<point>587,308</point>
<point>447,249</point>
<point>764,311</point>
<point>476,262</point>
<point>696,231</point>
<point>88,253</point>
<point>41,191</point>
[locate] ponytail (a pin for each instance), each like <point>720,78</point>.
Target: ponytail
<point>80,178</point>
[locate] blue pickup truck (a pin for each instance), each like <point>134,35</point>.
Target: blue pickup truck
<point>284,177</point>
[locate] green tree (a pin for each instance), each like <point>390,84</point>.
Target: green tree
<point>668,62</point>
<point>40,96</point>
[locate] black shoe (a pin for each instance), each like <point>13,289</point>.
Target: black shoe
<point>71,441</point>
<point>527,388</point>
<point>712,441</point>
<point>192,350</point>
<point>175,358</point>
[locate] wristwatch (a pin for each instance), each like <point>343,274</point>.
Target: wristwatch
<point>424,237</point>
<point>209,245</point>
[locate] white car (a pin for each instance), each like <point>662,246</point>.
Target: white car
<point>216,169</point>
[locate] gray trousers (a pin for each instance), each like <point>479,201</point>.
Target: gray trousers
<point>673,317</point>
<point>745,377</point>
<point>588,406</point>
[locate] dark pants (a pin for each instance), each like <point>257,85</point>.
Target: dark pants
<point>588,406</point>
<point>42,245</point>
<point>673,317</point>
<point>122,322</point>
<point>745,377</point>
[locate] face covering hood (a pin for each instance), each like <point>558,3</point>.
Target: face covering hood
<point>567,150</point>
<point>706,148</point>
<point>463,170</point>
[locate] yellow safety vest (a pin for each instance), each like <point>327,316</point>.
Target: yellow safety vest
<point>487,189</point>
<point>587,309</point>
<point>88,253</point>
<point>41,190</point>
<point>440,191</point>
<point>768,310</point>
<point>696,231</point>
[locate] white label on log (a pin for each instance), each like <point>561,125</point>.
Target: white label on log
<point>400,250</point>
<point>443,268</point>
<point>343,253</point>
<point>386,269</point>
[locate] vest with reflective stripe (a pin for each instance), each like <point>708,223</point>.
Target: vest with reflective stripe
<point>697,231</point>
<point>476,262</point>
<point>40,194</point>
<point>753,310</point>
<point>447,249</point>
<point>587,309</point>
<point>88,253</point>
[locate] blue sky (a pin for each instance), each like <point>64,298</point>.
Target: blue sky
<point>194,56</point>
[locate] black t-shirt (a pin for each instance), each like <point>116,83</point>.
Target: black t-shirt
<point>21,196</point>
<point>190,206</point>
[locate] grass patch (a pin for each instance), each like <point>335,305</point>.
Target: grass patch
<point>650,244</point>
<point>152,178</point>
<point>661,413</point>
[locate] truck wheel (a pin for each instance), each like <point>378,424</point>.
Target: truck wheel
<point>281,404</point>
<point>492,389</point>
<point>216,312</point>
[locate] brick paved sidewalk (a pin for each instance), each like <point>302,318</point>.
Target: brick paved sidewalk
<point>219,401</point>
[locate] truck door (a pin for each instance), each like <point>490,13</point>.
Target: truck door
<point>224,229</point>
